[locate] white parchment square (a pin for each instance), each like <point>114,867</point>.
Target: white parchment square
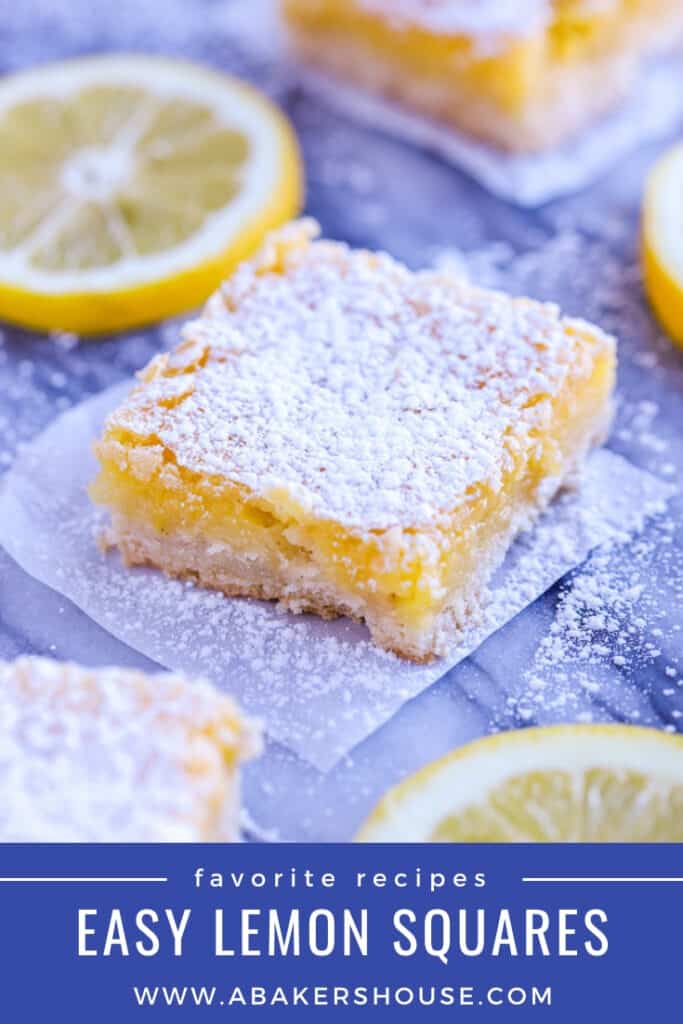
<point>653,110</point>
<point>320,687</point>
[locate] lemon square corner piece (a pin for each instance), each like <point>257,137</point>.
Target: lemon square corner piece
<point>114,755</point>
<point>348,437</point>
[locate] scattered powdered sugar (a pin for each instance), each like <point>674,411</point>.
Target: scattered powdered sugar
<point>621,610</point>
<point>42,377</point>
<point>130,757</point>
<point>613,645</point>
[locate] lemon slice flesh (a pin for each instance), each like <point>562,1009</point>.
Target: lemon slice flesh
<point>131,186</point>
<point>564,784</point>
<point>662,249</point>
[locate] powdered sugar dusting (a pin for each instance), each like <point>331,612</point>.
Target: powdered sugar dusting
<point>373,395</point>
<point>478,18</point>
<point>613,596</point>
<point>112,754</point>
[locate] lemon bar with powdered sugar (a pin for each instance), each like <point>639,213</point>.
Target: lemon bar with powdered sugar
<point>523,74</point>
<point>114,755</point>
<point>349,437</point>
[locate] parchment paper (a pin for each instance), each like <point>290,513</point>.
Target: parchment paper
<point>654,110</point>
<point>320,687</point>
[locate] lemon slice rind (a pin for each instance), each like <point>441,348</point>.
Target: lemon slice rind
<point>662,244</point>
<point>143,288</point>
<point>465,783</point>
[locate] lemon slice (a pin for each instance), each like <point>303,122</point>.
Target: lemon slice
<point>131,186</point>
<point>662,249</point>
<point>564,784</point>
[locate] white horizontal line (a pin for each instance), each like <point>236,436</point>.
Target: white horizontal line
<point>75,879</point>
<point>615,879</point>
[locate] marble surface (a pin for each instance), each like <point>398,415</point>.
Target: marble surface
<point>372,190</point>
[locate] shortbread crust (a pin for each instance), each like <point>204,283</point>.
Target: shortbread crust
<point>523,76</point>
<point>346,436</point>
<point>114,755</point>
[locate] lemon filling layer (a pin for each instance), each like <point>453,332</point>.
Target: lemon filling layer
<point>408,572</point>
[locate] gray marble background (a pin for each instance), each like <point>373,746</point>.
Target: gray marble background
<point>372,190</point>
